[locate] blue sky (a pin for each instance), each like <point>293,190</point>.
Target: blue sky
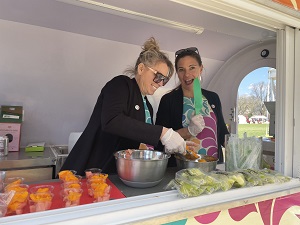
<point>256,76</point>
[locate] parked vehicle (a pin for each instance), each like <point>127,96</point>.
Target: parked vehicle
<point>242,119</point>
<point>258,119</point>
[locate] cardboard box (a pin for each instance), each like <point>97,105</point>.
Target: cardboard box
<point>13,132</point>
<point>10,125</point>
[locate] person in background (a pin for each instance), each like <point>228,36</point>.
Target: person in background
<point>177,108</point>
<point>122,116</point>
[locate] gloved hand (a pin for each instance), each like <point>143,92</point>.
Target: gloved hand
<point>196,125</point>
<point>191,146</point>
<point>173,142</point>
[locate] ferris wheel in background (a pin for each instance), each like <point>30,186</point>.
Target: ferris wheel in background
<point>271,88</point>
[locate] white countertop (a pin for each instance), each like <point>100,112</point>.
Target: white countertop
<point>144,207</point>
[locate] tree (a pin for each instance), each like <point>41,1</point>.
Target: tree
<point>253,104</point>
<point>259,91</point>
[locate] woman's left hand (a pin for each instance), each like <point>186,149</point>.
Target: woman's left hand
<point>197,124</point>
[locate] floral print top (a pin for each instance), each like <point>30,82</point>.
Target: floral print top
<point>207,138</point>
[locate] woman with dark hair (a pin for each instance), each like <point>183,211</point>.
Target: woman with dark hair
<point>195,113</point>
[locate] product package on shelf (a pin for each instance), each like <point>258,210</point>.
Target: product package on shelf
<point>11,118</point>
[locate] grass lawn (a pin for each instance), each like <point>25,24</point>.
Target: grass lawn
<point>257,130</point>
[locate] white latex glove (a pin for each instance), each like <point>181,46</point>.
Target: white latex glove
<point>196,125</point>
<point>191,145</point>
<point>173,142</point>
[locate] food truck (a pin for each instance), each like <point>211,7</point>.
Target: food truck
<point>57,55</point>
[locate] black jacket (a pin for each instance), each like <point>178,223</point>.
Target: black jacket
<point>170,111</point>
<point>117,123</point>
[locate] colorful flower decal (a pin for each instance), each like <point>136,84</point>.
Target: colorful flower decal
<point>280,211</point>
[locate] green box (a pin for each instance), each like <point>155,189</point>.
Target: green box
<point>35,147</point>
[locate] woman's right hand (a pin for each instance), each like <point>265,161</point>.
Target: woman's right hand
<point>173,142</point>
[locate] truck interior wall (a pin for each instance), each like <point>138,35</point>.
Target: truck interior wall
<point>56,76</point>
<point>227,80</point>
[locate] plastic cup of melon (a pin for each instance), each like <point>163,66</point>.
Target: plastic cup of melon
<point>41,189</point>
<point>73,178</point>
<point>100,193</point>
<point>71,184</point>
<point>93,182</point>
<point>71,196</point>
<point>40,201</point>
<point>13,181</point>
<point>64,173</point>
<point>19,199</point>
<point>92,171</point>
<point>97,178</point>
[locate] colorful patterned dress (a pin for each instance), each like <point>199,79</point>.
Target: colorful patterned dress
<point>207,138</point>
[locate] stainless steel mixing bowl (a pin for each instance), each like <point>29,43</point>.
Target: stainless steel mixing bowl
<point>208,166</point>
<point>141,168</point>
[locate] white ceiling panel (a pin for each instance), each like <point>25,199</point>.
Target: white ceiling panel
<point>222,37</point>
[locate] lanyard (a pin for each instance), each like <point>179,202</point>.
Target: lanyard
<point>147,112</point>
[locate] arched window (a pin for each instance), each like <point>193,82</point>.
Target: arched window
<point>255,93</point>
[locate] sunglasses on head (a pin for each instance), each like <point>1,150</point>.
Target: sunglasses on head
<point>159,77</point>
<point>191,49</point>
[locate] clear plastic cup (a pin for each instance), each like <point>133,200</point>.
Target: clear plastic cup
<point>71,184</point>
<point>1,186</point>
<point>73,178</point>
<point>71,196</point>
<point>100,193</point>
<point>3,209</point>
<point>13,181</point>
<point>64,173</point>
<point>40,201</point>
<point>20,198</point>
<point>16,187</point>
<point>98,177</point>
<point>2,179</point>
<point>41,189</point>
<point>92,171</point>
<point>2,175</point>
<point>94,183</point>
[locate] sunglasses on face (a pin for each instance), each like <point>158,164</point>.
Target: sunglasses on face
<point>191,49</point>
<point>159,77</point>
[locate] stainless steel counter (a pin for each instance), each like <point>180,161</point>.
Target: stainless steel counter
<point>33,166</point>
<point>130,191</point>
